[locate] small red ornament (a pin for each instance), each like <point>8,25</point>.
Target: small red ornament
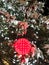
<point>23,26</point>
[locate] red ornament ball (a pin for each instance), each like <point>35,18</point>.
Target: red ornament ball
<point>22,46</point>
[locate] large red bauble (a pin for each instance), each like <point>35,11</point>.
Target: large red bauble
<point>22,46</point>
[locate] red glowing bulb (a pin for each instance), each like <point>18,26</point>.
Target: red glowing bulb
<point>22,46</point>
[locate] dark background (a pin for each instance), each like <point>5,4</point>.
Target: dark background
<point>46,8</point>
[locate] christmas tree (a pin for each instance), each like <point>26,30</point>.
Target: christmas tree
<point>24,33</point>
